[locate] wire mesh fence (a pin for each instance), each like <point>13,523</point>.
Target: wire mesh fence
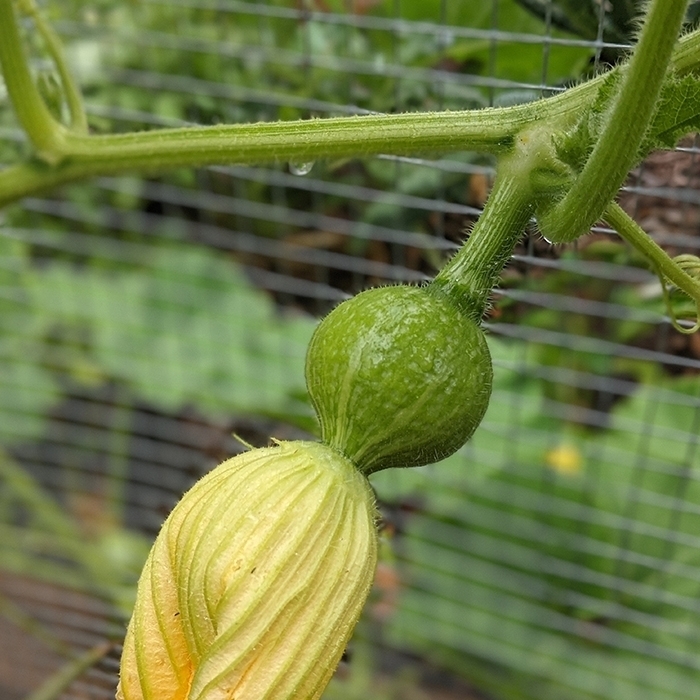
<point>145,320</point>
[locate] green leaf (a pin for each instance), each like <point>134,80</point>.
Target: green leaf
<point>677,114</point>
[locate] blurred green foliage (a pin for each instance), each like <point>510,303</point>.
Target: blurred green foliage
<point>40,539</point>
<point>542,560</point>
<point>564,559</point>
<point>175,325</point>
<point>277,50</point>
<point>619,20</point>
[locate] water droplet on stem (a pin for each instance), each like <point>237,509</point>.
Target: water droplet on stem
<point>300,168</point>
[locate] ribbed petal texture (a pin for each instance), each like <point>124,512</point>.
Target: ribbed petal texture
<point>255,582</point>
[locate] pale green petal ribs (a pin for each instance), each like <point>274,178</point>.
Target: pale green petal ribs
<point>255,582</point>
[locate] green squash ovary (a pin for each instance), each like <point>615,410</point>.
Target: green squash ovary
<point>399,377</point>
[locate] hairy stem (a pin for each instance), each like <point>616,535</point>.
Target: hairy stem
<point>471,274</point>
<point>489,130</point>
<point>75,156</point>
<point>616,150</point>
<point>686,54</point>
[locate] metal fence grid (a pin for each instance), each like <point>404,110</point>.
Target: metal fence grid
<point>144,320</point>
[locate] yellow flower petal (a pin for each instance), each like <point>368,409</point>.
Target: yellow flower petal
<point>255,582</point>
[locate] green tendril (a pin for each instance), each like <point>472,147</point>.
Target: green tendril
<point>681,272</point>
<point>690,264</point>
<point>676,322</point>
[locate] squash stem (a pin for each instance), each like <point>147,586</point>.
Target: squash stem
<point>468,278</point>
<point>616,150</point>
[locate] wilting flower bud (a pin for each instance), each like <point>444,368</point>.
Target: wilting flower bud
<point>255,582</point>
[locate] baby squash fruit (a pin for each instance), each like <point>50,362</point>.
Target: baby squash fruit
<point>398,376</point>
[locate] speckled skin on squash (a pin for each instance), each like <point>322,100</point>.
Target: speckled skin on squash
<point>398,377</point>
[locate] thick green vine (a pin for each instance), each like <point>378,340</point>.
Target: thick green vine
<point>561,159</point>
<point>624,125</point>
<point>259,575</point>
<point>588,138</point>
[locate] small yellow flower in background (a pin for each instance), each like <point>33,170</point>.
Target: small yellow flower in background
<point>255,582</point>
<point>564,459</point>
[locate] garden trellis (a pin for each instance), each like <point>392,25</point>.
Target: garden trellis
<point>146,319</point>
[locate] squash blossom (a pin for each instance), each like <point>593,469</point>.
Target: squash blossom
<point>255,582</point>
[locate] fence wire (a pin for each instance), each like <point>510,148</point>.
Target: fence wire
<point>147,319</point>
